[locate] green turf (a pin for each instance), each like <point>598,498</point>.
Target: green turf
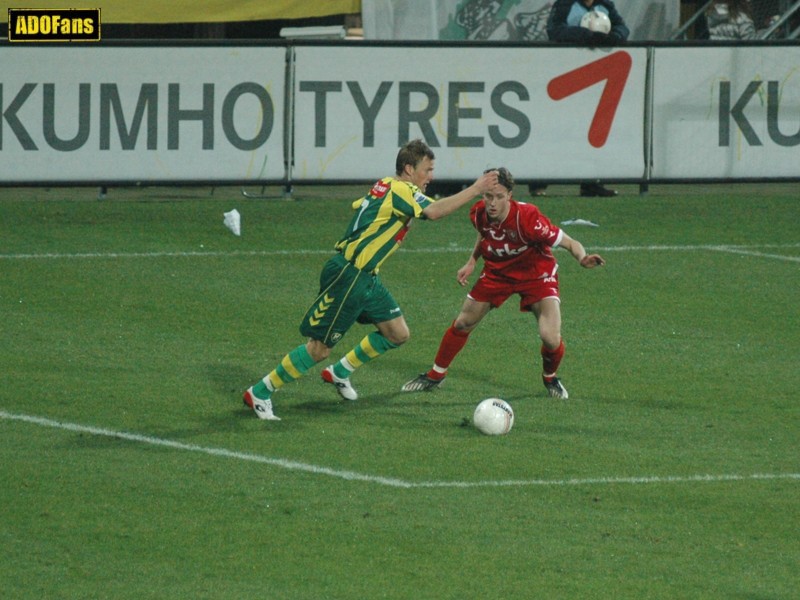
<point>672,471</point>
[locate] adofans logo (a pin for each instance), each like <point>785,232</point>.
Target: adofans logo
<point>54,25</point>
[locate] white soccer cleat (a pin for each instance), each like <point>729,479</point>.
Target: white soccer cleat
<point>262,408</point>
<point>343,386</point>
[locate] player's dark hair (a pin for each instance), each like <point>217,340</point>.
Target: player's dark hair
<point>411,154</point>
<point>504,177</point>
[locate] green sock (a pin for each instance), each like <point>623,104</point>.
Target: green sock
<point>370,348</point>
<point>293,366</point>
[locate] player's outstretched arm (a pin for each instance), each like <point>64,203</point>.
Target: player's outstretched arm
<point>464,272</point>
<point>587,261</point>
<point>445,206</point>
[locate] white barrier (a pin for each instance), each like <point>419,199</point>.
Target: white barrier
<point>77,113</point>
<point>726,112</point>
<point>533,110</point>
<point>183,114</point>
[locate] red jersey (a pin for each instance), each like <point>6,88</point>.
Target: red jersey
<point>519,248</point>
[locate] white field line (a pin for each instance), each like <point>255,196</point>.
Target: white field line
<point>733,250</point>
<point>737,249</point>
<point>298,466</point>
<point>389,481</point>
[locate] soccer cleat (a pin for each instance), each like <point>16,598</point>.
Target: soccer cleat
<point>343,386</point>
<point>554,388</point>
<point>422,383</point>
<point>262,408</point>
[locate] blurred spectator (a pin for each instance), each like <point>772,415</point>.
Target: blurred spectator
<point>564,25</point>
<point>765,13</point>
<point>731,20</point>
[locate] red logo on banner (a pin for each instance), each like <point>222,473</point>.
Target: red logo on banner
<point>614,69</point>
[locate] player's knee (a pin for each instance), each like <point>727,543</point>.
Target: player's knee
<point>463,325</point>
<point>551,340</point>
<point>317,350</point>
<point>398,338</point>
<point>398,334</point>
<point>395,331</point>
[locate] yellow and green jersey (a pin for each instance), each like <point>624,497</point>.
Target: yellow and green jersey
<point>381,222</point>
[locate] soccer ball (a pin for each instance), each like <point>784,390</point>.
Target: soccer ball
<point>493,416</point>
<point>596,20</point>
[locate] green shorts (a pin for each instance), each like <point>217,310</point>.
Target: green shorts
<point>346,296</point>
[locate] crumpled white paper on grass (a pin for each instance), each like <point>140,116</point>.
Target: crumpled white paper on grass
<point>579,222</point>
<point>233,221</point>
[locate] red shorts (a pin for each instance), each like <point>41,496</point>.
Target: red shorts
<point>496,292</point>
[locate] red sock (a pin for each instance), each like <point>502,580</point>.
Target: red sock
<point>452,342</point>
<point>551,359</point>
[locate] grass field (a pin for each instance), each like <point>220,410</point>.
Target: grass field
<point>129,468</point>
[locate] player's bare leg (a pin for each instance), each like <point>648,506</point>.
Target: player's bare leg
<point>548,314</point>
<point>453,341</point>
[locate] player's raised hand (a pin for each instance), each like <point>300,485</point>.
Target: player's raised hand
<point>487,181</point>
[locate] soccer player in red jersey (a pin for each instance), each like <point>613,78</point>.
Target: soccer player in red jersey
<point>515,241</point>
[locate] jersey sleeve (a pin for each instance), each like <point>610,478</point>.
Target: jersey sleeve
<point>408,200</point>
<point>537,228</point>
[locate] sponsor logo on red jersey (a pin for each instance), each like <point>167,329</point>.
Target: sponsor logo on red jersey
<point>380,189</point>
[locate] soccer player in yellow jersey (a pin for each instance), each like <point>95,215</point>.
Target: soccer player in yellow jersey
<point>350,289</point>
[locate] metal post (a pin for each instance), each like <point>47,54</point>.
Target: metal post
<point>649,93</point>
<point>781,20</point>
<point>685,27</point>
<point>288,131</point>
